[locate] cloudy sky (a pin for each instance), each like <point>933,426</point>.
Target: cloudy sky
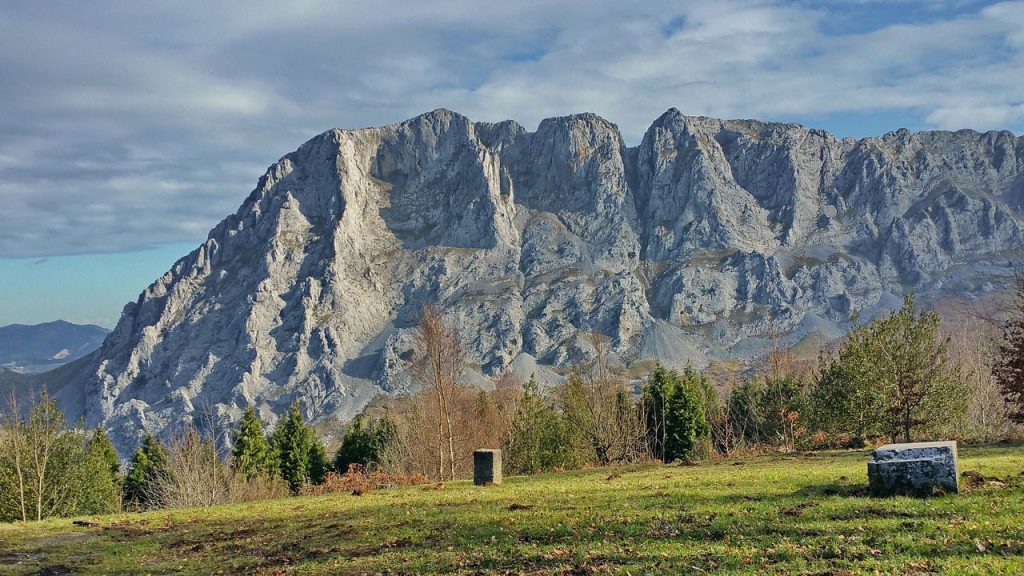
<point>128,129</point>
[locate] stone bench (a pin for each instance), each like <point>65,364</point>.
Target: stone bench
<point>915,469</point>
<point>486,467</point>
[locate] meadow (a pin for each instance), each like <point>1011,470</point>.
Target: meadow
<point>773,514</point>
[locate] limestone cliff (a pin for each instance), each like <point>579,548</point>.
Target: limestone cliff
<point>682,248</point>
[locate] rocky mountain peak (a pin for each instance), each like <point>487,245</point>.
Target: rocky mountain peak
<point>684,248</point>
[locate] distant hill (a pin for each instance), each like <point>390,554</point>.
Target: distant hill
<point>41,347</point>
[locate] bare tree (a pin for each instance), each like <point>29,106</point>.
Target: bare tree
<point>508,393</point>
<point>779,361</point>
<point>39,461</point>
<point>438,365</point>
<point>1008,368</point>
<point>195,475</point>
<point>597,404</point>
<point>973,349</point>
<point>13,481</point>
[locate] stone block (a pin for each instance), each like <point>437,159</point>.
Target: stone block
<point>486,467</point>
<point>915,469</point>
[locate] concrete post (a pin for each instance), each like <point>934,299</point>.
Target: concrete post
<point>486,467</point>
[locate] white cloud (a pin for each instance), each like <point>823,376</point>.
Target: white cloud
<point>140,124</point>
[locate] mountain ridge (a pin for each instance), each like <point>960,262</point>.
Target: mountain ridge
<point>686,247</point>
<point>33,348</point>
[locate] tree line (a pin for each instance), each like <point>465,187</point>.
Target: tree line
<point>898,377</point>
<point>48,468</point>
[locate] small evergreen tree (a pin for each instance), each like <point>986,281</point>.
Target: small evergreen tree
<point>364,444</point>
<point>685,421</point>
<point>301,456</point>
<point>892,377</point>
<point>675,413</point>
<point>251,454</point>
<point>539,440</point>
<point>99,477</point>
<point>653,400</point>
<point>148,465</point>
<point>101,447</point>
<point>920,385</point>
<point>319,463</point>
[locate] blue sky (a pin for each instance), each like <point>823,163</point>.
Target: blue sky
<point>130,129</point>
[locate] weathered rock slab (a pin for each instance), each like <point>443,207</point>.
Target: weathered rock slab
<point>916,469</point>
<point>486,467</point>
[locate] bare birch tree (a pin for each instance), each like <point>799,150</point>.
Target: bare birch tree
<point>13,481</point>
<point>438,365</point>
<point>45,467</point>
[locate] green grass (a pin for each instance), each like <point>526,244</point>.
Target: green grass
<point>799,514</point>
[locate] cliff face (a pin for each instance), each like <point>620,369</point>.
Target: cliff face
<point>683,248</point>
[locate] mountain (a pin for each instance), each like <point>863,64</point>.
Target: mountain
<point>41,347</point>
<point>690,246</point>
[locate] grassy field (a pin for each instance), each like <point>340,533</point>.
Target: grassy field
<point>799,514</point>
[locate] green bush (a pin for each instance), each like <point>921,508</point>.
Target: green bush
<point>540,440</point>
<point>365,445</point>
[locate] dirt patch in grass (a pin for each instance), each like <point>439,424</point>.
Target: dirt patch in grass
<point>797,510</point>
<point>974,480</point>
<point>15,558</point>
<point>59,539</point>
<point>58,570</point>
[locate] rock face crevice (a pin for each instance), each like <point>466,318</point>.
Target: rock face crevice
<point>684,248</point>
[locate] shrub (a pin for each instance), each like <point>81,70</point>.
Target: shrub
<point>365,445</point>
<point>539,439</point>
<point>47,469</point>
<point>359,480</point>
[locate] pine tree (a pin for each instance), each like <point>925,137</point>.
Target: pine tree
<point>301,456</point>
<point>1009,366</point>
<point>319,464</point>
<point>920,386</point>
<point>687,421</point>
<point>99,476</point>
<point>101,447</point>
<point>148,464</point>
<point>653,401</point>
<point>540,440</point>
<point>893,377</point>
<point>252,455</point>
<point>365,444</point>
<point>675,413</point>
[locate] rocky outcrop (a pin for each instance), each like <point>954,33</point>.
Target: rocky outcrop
<point>683,248</point>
